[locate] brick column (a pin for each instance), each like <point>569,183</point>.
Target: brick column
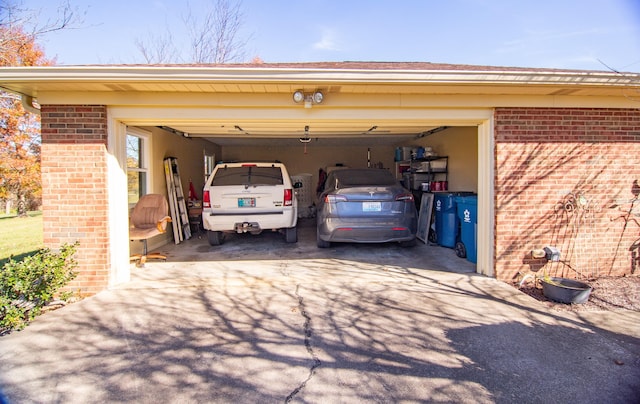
<point>543,155</point>
<point>75,188</point>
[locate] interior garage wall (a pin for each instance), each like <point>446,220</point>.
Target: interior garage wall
<point>317,156</point>
<point>461,145</point>
<point>190,154</point>
<point>567,178</point>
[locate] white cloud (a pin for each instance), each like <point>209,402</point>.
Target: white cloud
<point>328,41</point>
<point>551,39</point>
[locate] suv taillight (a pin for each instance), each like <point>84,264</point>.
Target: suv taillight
<point>206,201</point>
<point>288,197</point>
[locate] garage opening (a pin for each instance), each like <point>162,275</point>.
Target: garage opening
<point>451,150</point>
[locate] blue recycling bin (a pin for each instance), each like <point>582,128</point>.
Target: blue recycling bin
<point>467,210</point>
<point>447,222</point>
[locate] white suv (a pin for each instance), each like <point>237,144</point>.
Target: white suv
<point>248,198</point>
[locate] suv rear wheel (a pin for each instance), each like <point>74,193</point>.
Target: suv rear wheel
<point>215,237</point>
<point>291,235</point>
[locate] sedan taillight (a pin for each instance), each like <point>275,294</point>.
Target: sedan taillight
<point>332,198</point>
<point>206,200</point>
<point>404,197</point>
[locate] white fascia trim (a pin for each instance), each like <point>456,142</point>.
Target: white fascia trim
<point>123,74</point>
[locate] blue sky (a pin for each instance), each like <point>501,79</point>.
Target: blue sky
<point>566,34</point>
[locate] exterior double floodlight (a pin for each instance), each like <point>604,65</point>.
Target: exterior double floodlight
<point>298,96</point>
<point>316,98</point>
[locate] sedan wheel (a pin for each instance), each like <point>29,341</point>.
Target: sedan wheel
<point>410,243</point>
<point>321,243</point>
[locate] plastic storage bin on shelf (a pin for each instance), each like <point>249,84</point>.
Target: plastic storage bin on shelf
<point>447,222</point>
<point>467,212</point>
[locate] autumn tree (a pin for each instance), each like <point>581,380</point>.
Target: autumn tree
<point>19,129</point>
<point>20,177</point>
<point>213,34</point>
<point>21,28</point>
<point>19,154</point>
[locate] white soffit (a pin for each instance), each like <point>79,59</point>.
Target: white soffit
<point>32,80</point>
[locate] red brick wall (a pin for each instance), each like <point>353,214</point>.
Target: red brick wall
<point>75,188</point>
<point>543,157</point>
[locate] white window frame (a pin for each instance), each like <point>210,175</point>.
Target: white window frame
<point>145,155</point>
<point>209,164</point>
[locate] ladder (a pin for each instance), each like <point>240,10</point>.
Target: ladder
<point>179,214</point>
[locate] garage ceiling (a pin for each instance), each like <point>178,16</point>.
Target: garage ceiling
<point>345,133</point>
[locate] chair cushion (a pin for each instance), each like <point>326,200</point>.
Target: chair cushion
<point>149,210</point>
<point>146,217</point>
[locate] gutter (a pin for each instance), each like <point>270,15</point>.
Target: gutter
<point>177,74</point>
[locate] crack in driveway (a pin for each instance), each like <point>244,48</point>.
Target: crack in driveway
<point>308,333</point>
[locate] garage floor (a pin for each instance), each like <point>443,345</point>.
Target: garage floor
<point>271,245</point>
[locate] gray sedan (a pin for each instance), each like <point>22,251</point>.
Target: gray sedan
<point>365,206</point>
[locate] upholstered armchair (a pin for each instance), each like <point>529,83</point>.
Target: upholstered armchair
<point>148,219</point>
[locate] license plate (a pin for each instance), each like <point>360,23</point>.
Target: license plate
<point>246,202</point>
<point>371,206</point>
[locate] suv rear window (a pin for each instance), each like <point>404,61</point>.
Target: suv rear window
<point>248,175</point>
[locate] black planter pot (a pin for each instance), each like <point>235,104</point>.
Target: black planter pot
<point>566,290</point>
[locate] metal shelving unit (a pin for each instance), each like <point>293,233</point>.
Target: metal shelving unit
<point>427,169</point>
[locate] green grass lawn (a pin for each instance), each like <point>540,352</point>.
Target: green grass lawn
<point>20,236</point>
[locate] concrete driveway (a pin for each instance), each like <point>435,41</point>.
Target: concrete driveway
<point>354,323</point>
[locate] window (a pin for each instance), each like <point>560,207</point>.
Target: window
<point>137,165</point>
<point>248,176</point>
<point>209,163</point>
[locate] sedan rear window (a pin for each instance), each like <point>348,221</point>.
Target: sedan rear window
<point>355,178</point>
<point>248,175</point>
